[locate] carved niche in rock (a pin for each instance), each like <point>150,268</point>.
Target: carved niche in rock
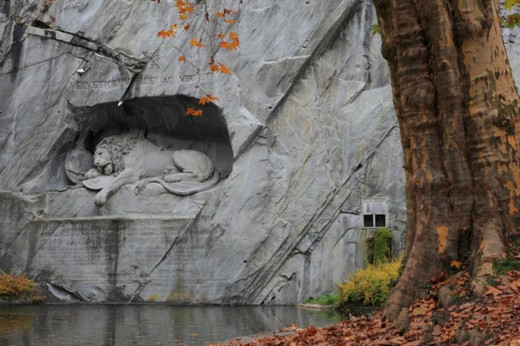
<point>130,158</point>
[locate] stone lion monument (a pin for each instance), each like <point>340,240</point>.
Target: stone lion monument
<point>127,158</point>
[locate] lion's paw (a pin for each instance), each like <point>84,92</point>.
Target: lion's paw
<point>140,186</point>
<point>100,199</point>
<point>92,173</point>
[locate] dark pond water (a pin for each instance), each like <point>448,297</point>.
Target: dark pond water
<point>146,324</point>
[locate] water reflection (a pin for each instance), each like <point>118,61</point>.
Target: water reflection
<point>146,324</point>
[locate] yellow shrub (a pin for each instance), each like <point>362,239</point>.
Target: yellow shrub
<point>14,287</point>
<point>370,286</point>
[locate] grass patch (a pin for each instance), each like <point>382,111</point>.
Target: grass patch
<point>500,267</point>
<point>326,300</point>
<point>370,286</point>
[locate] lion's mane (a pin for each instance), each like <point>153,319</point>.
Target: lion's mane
<point>118,146</point>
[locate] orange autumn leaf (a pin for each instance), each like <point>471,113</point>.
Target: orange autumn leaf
<point>293,327</point>
<point>207,99</point>
<point>229,45</point>
<point>165,33</point>
<point>182,58</point>
<point>194,112</point>
<point>234,37</point>
<point>224,69</point>
<point>223,13</point>
<point>233,45</point>
<point>456,264</point>
<point>219,68</point>
<point>492,291</point>
<point>183,7</point>
<point>196,43</point>
<point>221,36</point>
<point>419,311</point>
<point>229,21</point>
<point>187,26</point>
<point>515,285</point>
<point>168,33</point>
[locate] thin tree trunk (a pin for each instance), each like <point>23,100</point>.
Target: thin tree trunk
<point>458,110</point>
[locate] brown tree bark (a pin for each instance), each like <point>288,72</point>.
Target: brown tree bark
<point>458,112</point>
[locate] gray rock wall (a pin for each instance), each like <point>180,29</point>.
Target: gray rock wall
<point>311,132</point>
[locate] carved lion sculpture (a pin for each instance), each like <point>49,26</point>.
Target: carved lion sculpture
<point>129,159</point>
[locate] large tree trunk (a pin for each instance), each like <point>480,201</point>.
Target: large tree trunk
<point>458,111</point>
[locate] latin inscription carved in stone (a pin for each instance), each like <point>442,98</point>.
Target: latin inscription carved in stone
<point>144,80</point>
<point>104,247</point>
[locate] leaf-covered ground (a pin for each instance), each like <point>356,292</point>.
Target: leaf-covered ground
<point>449,315</point>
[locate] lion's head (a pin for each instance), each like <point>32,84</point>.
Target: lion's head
<point>109,154</point>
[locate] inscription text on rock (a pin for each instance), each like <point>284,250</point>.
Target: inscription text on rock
<point>144,80</point>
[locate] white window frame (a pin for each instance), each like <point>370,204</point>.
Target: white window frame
<point>373,207</point>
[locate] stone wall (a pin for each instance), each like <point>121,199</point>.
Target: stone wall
<point>308,132</point>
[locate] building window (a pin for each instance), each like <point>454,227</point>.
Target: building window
<point>380,220</point>
<point>375,213</point>
<point>368,220</point>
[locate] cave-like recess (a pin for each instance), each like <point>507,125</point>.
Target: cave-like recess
<point>163,121</point>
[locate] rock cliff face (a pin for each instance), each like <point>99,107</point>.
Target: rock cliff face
<point>302,133</point>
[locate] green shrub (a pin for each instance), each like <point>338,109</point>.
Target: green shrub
<point>370,286</point>
<point>329,299</point>
<point>382,246</point>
